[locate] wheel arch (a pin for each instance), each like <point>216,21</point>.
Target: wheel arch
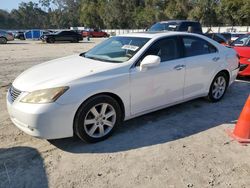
<point>4,38</point>
<point>114,96</point>
<point>212,78</point>
<point>226,72</point>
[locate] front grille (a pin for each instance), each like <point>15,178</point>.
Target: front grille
<point>243,67</point>
<point>14,93</point>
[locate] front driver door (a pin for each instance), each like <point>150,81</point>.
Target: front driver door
<point>161,85</point>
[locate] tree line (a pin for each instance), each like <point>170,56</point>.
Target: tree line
<point>123,14</point>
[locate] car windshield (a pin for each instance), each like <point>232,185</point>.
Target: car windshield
<point>172,26</point>
<point>116,49</point>
<point>242,41</point>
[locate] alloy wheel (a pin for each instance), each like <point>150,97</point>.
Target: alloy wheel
<point>3,41</point>
<point>219,87</point>
<point>100,120</point>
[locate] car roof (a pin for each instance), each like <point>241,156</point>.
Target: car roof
<point>178,21</point>
<point>152,35</point>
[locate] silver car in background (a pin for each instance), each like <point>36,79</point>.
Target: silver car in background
<point>5,36</point>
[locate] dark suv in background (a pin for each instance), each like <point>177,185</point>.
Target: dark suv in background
<point>177,25</point>
<point>70,36</point>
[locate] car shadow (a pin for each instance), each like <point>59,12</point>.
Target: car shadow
<point>87,42</point>
<point>245,78</point>
<point>16,43</point>
<point>22,167</point>
<point>166,125</point>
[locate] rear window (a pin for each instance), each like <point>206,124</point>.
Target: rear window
<point>194,46</point>
<point>171,26</point>
<point>195,26</point>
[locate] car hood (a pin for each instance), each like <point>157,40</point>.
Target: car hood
<point>243,51</point>
<point>59,72</point>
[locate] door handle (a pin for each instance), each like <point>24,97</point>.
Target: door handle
<point>215,59</point>
<point>179,67</point>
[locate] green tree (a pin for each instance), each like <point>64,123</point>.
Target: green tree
<point>178,9</point>
<point>62,13</point>
<point>6,21</point>
<point>29,15</point>
<point>204,11</point>
<point>234,12</point>
<point>90,14</point>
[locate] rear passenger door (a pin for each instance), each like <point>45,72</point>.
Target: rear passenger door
<point>202,60</point>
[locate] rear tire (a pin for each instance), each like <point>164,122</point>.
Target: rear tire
<point>3,40</point>
<point>218,87</point>
<point>97,118</point>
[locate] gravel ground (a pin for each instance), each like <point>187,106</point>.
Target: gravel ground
<point>181,146</point>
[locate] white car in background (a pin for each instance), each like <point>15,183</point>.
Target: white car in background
<point>123,77</point>
<point>5,36</point>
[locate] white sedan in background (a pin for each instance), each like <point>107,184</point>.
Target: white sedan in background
<point>123,77</point>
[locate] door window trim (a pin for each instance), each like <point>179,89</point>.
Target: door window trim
<point>194,37</point>
<point>179,46</point>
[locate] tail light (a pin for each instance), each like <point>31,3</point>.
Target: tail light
<point>243,67</point>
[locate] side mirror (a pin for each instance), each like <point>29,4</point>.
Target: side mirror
<point>149,61</point>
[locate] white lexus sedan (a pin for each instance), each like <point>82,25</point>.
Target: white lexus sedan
<point>90,94</point>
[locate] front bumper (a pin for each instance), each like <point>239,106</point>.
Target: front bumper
<point>48,121</point>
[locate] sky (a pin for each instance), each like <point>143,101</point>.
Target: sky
<point>12,4</point>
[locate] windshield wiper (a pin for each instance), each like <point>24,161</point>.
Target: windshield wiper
<point>95,58</point>
<point>103,60</point>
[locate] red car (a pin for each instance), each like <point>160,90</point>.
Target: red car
<point>242,46</point>
<point>94,33</point>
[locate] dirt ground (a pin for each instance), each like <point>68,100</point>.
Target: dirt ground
<point>181,146</point>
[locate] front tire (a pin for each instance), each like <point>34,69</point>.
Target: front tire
<point>50,40</point>
<point>97,118</point>
<point>3,40</point>
<point>218,87</point>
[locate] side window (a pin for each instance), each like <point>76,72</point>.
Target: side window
<point>196,27</point>
<point>194,46</point>
<point>184,26</point>
<point>70,33</point>
<point>63,33</point>
<point>166,49</point>
<point>211,48</point>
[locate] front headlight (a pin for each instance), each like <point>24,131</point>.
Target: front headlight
<point>44,96</point>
